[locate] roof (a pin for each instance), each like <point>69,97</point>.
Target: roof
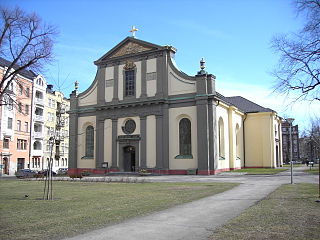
<point>25,73</point>
<point>246,105</point>
<point>243,104</point>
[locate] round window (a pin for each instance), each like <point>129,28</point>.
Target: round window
<point>129,126</point>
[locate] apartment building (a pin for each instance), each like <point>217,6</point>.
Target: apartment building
<point>15,127</point>
<point>56,129</point>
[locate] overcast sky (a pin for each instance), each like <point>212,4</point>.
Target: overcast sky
<point>233,37</point>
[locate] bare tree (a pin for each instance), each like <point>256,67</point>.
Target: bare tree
<point>25,41</point>
<point>299,64</point>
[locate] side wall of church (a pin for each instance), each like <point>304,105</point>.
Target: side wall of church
<point>175,115</point>
<point>259,140</point>
<point>235,139</point>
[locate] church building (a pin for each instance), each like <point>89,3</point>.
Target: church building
<point>142,113</point>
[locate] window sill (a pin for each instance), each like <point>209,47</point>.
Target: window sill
<point>86,157</point>
<point>183,157</point>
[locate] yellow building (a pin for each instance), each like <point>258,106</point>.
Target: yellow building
<point>56,129</point>
<point>142,112</point>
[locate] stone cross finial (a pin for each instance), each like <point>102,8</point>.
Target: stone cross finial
<point>133,31</point>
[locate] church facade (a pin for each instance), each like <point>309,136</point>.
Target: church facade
<point>142,113</point>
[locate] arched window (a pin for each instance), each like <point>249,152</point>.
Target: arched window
<point>221,138</point>
<point>89,141</point>
<point>37,145</point>
<point>185,137</point>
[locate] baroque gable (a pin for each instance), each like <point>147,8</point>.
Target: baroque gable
<point>130,48</point>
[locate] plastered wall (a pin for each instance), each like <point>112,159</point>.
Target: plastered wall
<point>83,123</point>
<point>175,115</point>
<point>178,85</point>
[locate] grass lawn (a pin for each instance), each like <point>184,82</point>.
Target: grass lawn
<point>294,165</point>
<point>314,170</point>
<point>288,213</point>
<point>257,171</point>
<point>83,206</point>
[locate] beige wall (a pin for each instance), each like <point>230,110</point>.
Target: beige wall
<point>259,137</point>
<point>151,65</point>
<point>109,90</point>
<point>108,141</point>
<point>178,85</point>
<point>175,115</point>
<point>151,88</point>
<point>235,148</point>
<point>151,84</point>
<point>83,122</point>
<point>89,98</point>
<point>151,141</point>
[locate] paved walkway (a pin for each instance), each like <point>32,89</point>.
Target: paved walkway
<point>197,219</point>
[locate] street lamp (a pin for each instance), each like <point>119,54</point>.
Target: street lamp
<point>290,121</point>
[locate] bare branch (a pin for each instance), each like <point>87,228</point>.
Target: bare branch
<point>25,42</point>
<point>299,63</point>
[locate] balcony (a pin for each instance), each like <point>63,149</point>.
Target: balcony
<point>38,135</point>
<point>39,118</point>
<point>39,101</point>
<point>7,132</point>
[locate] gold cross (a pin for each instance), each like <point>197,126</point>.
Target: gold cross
<point>133,31</point>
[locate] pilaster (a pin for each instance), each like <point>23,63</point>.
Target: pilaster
<point>159,141</point>
<point>99,143</point>
<point>101,85</point>
<point>115,83</point>
<point>143,78</point>
<point>143,141</point>
<point>114,143</point>
<point>73,132</point>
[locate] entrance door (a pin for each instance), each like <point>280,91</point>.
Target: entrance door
<point>129,159</point>
<point>5,165</point>
<point>20,164</point>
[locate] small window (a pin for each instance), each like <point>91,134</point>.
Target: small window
<point>89,141</point>
<point>27,109</point>
<point>9,103</point>
<point>37,145</point>
<point>18,125</point>
<point>20,107</point>
<point>26,126</point>
<point>20,89</point>
<point>21,144</point>
<point>28,92</point>
<point>9,123</point>
<point>6,142</point>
